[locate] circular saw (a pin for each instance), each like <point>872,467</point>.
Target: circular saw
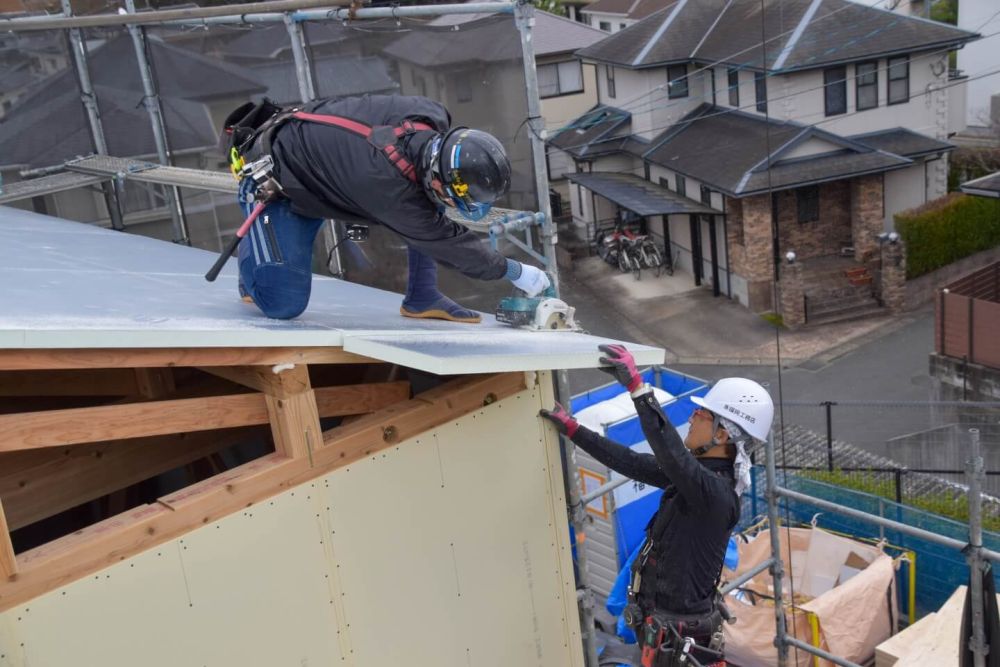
<point>544,312</point>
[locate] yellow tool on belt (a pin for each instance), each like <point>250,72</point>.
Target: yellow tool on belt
<point>236,163</point>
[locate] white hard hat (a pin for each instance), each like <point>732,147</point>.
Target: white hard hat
<point>741,401</point>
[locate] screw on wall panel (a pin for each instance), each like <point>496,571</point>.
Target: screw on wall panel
<point>389,434</point>
<point>490,398</point>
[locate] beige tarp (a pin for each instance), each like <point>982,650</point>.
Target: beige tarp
<point>843,582</point>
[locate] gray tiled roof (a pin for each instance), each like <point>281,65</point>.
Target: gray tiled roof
<point>987,186</point>
<point>597,125</point>
<point>334,77</point>
<point>192,76</point>
<point>633,9</point>
<point>58,131</point>
<point>903,142</point>
<point>637,194</point>
<point>728,151</point>
<point>713,30</point>
<point>492,39</point>
<point>271,40</point>
<point>555,34</point>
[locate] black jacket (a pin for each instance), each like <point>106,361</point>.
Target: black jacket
<point>697,512</point>
<point>328,172</point>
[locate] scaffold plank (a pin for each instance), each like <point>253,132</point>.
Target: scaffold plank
<point>47,185</point>
<point>150,172</point>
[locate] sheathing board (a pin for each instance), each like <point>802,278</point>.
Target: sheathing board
<point>450,548</point>
<point>69,285</point>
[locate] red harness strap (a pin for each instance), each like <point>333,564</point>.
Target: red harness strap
<point>383,137</point>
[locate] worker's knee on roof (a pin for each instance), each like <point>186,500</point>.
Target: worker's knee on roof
<point>281,292</point>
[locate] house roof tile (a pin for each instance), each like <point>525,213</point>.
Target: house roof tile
<point>902,141</point>
<point>799,34</point>
<point>637,194</point>
<point>987,186</point>
<point>582,136</point>
<point>728,150</point>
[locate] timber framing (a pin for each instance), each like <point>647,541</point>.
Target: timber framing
<point>55,459</point>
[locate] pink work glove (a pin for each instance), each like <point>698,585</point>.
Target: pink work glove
<point>564,423</point>
<point>621,365</point>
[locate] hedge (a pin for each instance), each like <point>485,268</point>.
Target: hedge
<point>946,230</point>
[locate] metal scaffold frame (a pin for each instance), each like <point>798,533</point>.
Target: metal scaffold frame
<point>111,172</point>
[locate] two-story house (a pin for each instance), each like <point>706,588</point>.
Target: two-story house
<point>614,15</point>
<point>809,142</point>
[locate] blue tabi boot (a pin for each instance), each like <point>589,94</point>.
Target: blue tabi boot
<point>423,300</point>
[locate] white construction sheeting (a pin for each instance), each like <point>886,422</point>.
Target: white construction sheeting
<point>67,285</point>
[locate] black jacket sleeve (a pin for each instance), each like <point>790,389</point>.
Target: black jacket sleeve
<point>677,463</point>
<point>634,465</point>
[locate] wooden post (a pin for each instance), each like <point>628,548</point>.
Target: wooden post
<point>8,563</point>
<point>291,408</point>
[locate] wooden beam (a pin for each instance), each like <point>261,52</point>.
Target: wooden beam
<point>291,408</point>
<point>8,562</point>
<point>282,384</point>
<point>36,484</point>
<point>55,428</point>
<point>95,382</point>
<point>17,360</point>
<point>71,557</point>
<point>132,420</point>
<point>357,399</point>
<point>154,382</point>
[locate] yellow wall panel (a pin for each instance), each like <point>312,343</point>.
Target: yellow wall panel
<point>449,549</point>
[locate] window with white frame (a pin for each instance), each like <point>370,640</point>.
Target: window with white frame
<point>556,79</point>
<point>899,80</point>
<point>605,26</point>
<point>866,83</point>
<point>734,87</point>
<point>610,72</point>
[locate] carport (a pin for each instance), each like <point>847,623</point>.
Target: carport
<point>652,203</point>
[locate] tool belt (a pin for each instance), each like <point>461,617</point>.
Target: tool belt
<point>675,640</point>
<point>251,127</point>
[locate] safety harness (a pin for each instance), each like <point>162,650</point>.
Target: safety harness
<point>263,120</point>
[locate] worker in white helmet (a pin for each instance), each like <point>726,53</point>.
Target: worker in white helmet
<point>673,591</point>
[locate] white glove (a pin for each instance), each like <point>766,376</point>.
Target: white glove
<point>532,280</point>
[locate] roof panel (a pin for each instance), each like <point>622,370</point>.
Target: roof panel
<point>637,194</point>
<point>987,186</point>
<point>902,141</point>
<point>70,285</point>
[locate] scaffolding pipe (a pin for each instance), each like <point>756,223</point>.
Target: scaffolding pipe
<point>112,196</point>
<point>524,19</point>
<point>151,101</point>
<point>809,648</point>
<point>746,576</point>
<point>977,644</point>
<point>603,489</point>
<point>303,71</point>
<point>777,567</point>
<point>158,16</point>
<point>257,12</point>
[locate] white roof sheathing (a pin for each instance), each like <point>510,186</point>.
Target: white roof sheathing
<point>67,285</point>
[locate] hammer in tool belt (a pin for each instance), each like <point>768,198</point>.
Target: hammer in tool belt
<point>267,190</point>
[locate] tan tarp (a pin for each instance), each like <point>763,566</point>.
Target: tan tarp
<point>853,614</point>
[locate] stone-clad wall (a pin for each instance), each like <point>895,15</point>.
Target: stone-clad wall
<point>825,236</point>
<point>867,216</point>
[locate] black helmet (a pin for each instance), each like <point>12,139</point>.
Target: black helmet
<point>471,167</point>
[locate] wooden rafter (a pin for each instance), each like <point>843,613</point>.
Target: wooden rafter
<point>17,360</point>
<point>96,382</point>
<point>8,562</point>
<point>55,428</point>
<point>77,555</point>
<point>40,483</point>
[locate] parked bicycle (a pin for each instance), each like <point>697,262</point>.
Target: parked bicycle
<point>630,252</point>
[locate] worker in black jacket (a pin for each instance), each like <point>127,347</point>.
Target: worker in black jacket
<point>675,575</point>
<point>390,159</point>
